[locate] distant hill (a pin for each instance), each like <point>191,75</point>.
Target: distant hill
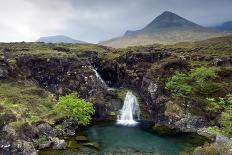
<point>227,26</point>
<point>167,28</point>
<point>58,39</point>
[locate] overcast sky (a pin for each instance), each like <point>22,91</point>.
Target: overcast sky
<point>97,20</point>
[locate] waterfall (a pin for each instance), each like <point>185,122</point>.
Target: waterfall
<point>101,80</point>
<point>129,111</point>
<point>99,77</point>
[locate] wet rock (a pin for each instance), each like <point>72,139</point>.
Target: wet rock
<point>163,129</point>
<point>81,138</point>
<point>204,132</point>
<point>92,144</point>
<point>152,89</point>
<point>72,144</point>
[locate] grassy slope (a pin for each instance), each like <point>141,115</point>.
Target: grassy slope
<point>25,101</point>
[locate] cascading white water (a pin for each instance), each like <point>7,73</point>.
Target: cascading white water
<point>99,77</point>
<point>129,111</point>
<point>102,81</point>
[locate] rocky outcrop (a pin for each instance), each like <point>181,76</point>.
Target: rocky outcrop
<point>65,75</point>
<point>4,69</point>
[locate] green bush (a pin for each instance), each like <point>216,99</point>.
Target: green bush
<point>225,120</point>
<point>178,85</point>
<point>74,108</point>
<point>199,80</point>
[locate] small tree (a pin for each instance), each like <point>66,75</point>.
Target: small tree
<point>74,108</point>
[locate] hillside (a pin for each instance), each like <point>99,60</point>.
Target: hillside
<point>58,39</point>
<point>227,26</point>
<point>168,28</point>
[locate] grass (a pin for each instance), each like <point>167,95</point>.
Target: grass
<point>26,101</point>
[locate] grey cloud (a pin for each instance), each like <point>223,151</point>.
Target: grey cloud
<point>96,20</point>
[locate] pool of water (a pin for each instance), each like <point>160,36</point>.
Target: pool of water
<point>115,139</point>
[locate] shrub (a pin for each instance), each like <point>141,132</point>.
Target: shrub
<point>178,85</point>
<point>225,120</point>
<point>74,108</point>
<point>199,80</point>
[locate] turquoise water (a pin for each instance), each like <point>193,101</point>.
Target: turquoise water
<point>115,139</point>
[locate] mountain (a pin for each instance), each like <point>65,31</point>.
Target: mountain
<point>167,28</point>
<point>166,20</point>
<point>58,39</point>
<point>227,26</point>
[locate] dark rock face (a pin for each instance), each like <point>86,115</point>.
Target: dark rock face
<point>4,69</point>
<point>65,75</point>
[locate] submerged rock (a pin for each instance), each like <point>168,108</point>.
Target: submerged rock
<point>163,130</point>
<point>72,144</point>
<point>92,144</point>
<point>81,138</point>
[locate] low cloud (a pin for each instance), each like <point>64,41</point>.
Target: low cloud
<point>96,20</point>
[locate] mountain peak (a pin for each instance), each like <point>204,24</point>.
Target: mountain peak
<point>168,19</point>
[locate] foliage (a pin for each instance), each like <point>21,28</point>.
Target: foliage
<point>40,140</point>
<point>199,80</point>
<point>178,85</point>
<point>203,80</point>
<point>225,120</point>
<point>74,108</point>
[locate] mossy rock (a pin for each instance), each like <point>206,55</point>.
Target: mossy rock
<point>92,145</point>
<point>206,150</point>
<point>112,115</point>
<point>72,144</point>
<point>81,138</point>
<point>163,130</point>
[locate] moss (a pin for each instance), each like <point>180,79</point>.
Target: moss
<point>40,140</point>
<point>72,144</point>
<point>120,94</point>
<point>206,150</point>
<point>173,109</point>
<point>163,130</point>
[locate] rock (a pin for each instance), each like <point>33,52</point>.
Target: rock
<point>46,129</point>
<point>69,128</point>
<point>152,89</point>
<point>81,138</point>
<point>45,145</point>
<point>92,144</point>
<point>58,144</point>
<point>204,132</point>
<point>24,147</point>
<point>163,130</point>
<point>72,144</point>
<point>3,73</point>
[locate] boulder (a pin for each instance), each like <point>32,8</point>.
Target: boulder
<point>45,145</point>
<point>58,144</point>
